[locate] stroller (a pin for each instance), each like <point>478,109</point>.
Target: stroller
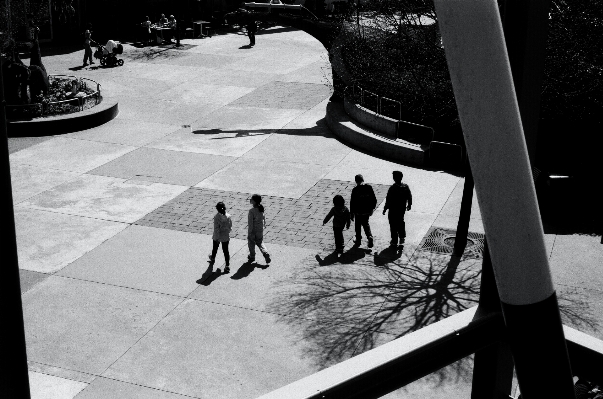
<point>107,54</point>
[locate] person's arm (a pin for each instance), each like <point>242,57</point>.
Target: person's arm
<point>216,226</point>
<point>409,199</point>
<point>250,222</point>
<point>373,200</point>
<point>329,216</point>
<point>387,200</point>
<point>352,202</point>
<point>347,219</point>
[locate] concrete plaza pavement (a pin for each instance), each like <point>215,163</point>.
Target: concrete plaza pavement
<point>114,228</point>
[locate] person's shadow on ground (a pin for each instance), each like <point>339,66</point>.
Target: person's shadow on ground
<point>77,68</point>
<point>246,269</point>
<point>388,255</point>
<point>209,276</point>
<point>350,256</point>
<point>245,47</point>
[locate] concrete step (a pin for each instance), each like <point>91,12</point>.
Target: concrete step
<point>352,132</point>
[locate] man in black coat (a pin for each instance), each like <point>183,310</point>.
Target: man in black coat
<point>398,201</point>
<point>362,205</point>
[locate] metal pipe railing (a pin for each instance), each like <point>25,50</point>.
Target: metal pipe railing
<point>379,97</point>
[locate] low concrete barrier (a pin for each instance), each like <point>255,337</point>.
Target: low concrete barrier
<point>61,124</point>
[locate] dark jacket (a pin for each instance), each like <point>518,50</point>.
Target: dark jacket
<point>341,217</point>
<point>396,199</point>
<point>363,200</point>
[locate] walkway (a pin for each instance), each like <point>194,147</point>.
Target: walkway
<point>113,228</point>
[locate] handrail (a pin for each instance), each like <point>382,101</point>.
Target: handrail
<point>391,366</point>
<point>380,99</point>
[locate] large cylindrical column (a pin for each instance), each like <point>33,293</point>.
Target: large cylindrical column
<point>477,58</point>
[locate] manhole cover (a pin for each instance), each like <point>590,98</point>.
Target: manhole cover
<point>441,241</point>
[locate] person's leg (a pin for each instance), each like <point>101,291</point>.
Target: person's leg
<point>214,251</point>
<point>338,233</point>
<point>358,229</point>
<point>393,231</point>
<point>263,249</point>
<point>402,230</point>
<point>85,54</point>
<point>226,253</point>
<point>251,246</point>
<point>367,227</point>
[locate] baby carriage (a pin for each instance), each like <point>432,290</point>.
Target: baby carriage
<point>107,54</point>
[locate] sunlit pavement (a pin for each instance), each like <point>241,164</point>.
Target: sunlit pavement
<point>114,229</point>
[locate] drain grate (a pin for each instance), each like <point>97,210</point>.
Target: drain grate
<point>441,241</point>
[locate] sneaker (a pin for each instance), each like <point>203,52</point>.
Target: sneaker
<point>267,257</point>
<point>85,64</point>
<point>370,243</point>
<point>393,244</point>
<point>250,258</point>
<point>211,258</point>
<point>226,269</point>
<point>357,243</point>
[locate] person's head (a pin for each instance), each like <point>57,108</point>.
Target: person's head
<point>172,17</point>
<point>220,207</point>
<point>359,179</point>
<point>256,201</point>
<point>397,176</point>
<point>338,201</point>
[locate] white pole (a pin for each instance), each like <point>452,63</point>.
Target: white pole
<point>473,39</point>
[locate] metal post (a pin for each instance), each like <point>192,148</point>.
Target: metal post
<point>462,228</point>
<point>475,48</point>
<point>14,378</point>
<point>492,366</point>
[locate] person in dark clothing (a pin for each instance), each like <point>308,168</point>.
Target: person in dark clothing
<point>362,205</point>
<point>249,21</point>
<point>341,219</point>
<point>397,201</point>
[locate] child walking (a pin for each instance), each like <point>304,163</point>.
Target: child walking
<point>222,228</point>
<point>341,218</point>
<point>256,221</point>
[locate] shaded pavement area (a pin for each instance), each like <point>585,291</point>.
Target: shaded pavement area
<point>114,229</point>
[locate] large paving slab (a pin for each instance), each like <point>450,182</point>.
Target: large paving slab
<point>102,197</point>
<point>247,119</point>
<point>285,95</point>
<point>162,111</point>
<point>28,180</point>
<point>150,259</point>
<point>208,350</point>
<point>286,179</point>
<point>576,260</point>
<point>87,326</point>
<point>50,387</point>
<point>123,131</point>
<point>49,241</point>
<point>252,285</point>
<point>106,388</point>
<point>211,141</point>
<point>163,166</point>
<point>69,154</point>
<point>30,279</point>
<point>195,92</point>
<point>319,150</point>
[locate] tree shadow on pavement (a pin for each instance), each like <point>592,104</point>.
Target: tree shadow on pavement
<point>344,310</point>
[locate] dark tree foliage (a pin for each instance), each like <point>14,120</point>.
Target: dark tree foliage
<point>391,53</point>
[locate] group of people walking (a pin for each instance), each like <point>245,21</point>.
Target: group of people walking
<point>256,222</point>
<point>362,205</point>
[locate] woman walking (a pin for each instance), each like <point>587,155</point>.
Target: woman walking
<point>256,222</point>
<point>222,228</point>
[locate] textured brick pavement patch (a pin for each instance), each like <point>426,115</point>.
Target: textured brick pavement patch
<point>295,222</point>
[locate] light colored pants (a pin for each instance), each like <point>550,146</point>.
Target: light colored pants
<point>252,241</point>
